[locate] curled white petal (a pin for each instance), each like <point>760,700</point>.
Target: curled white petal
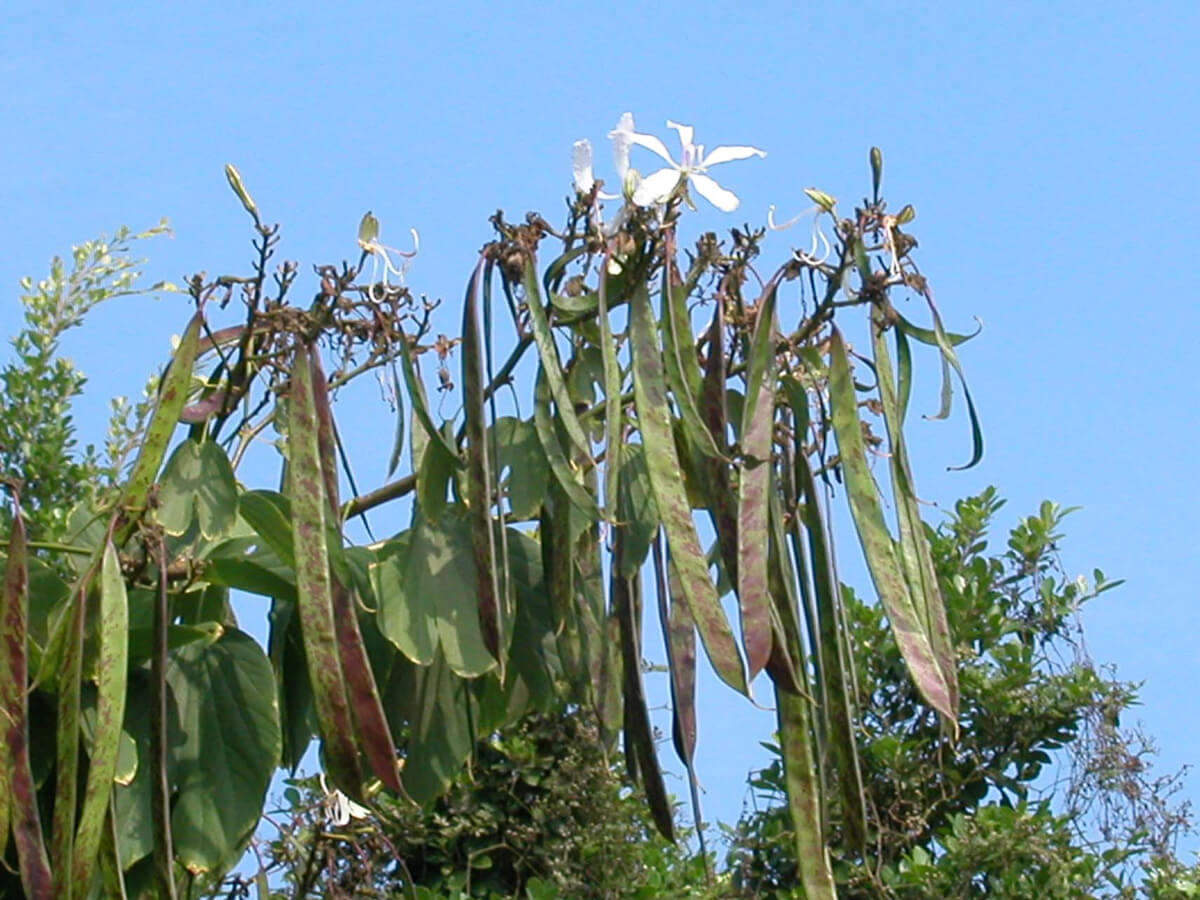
<point>655,188</point>
<point>620,136</point>
<point>722,199</point>
<point>653,144</point>
<point>581,166</point>
<point>686,133</point>
<point>729,154</point>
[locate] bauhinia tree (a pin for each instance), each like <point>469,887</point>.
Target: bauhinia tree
<point>669,395</point>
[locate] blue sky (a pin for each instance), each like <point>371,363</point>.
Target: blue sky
<point>1046,146</point>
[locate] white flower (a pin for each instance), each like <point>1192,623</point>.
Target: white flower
<point>656,187</point>
<point>581,166</point>
<point>339,808</point>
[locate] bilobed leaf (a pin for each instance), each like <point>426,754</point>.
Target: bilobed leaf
<point>171,398</point>
<point>313,584</point>
<point>758,423</point>
<point>228,749</point>
<point>14,677</point>
<point>440,735</point>
<point>878,548</point>
<point>551,365</point>
<point>406,616</point>
<point>662,460</point>
<point>520,452</point>
<point>480,486</point>
<point>111,677</point>
<point>198,481</point>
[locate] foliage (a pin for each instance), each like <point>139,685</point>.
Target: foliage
<point>37,432</point>
<point>540,813</point>
<point>126,680</point>
<point>991,813</point>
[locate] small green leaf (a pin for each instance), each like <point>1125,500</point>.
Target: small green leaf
<point>198,481</point>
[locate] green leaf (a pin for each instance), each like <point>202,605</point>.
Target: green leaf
<point>427,585</point>
<point>433,478</point>
<point>407,618</point>
<point>198,481</point>
<point>876,541</point>
<point>439,706</point>
<point>662,460</point>
<point>14,701</point>
<point>270,515</point>
<point>229,747</point>
<point>520,452</point>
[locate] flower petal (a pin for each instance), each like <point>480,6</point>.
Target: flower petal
<point>650,142</point>
<point>686,133</point>
<point>656,187</point>
<point>621,143</point>
<point>726,201</point>
<point>728,154</point>
<point>581,165</point>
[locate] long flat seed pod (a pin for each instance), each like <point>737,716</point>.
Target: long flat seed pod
<point>945,342</point>
<point>804,796</point>
<point>662,462</point>
<point>639,734</point>
<point>613,413</point>
<point>560,468</point>
<point>683,374</point>
<point>758,420</point>
<point>679,638</point>
<point>420,405</point>
<point>833,662</point>
<point>915,555</point>
<point>313,587</point>
<point>551,366</point>
<point>171,399</point>
<point>886,572</point>
<point>717,484</point>
<point>375,736</point>
<point>14,698</point>
<point>480,486</point>
<point>111,681</point>
<point>66,771</point>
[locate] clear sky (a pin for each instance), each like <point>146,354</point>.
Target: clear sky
<point>1045,145</point>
